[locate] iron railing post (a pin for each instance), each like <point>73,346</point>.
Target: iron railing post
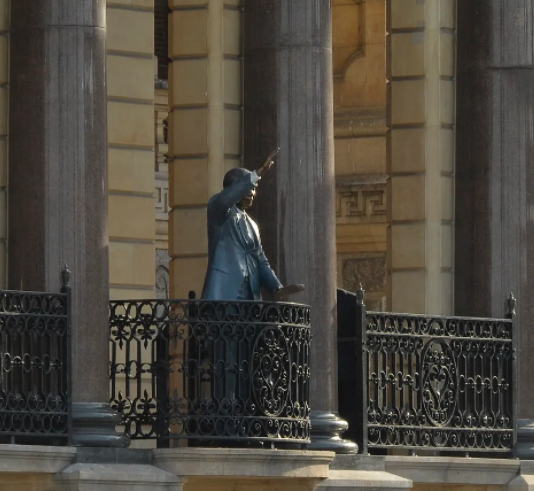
<point>511,314</point>
<point>352,365</point>
<point>67,289</point>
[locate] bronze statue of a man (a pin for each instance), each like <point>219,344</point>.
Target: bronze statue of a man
<point>237,266</point>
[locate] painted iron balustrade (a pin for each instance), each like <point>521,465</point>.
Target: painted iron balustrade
<point>35,352</point>
<point>214,373</point>
<point>419,382</point>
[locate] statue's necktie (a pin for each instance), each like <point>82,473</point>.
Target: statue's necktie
<point>248,231</point>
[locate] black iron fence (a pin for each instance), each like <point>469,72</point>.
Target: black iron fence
<point>211,372</point>
<point>417,382</point>
<point>34,367</point>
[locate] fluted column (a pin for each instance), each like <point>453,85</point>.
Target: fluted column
<point>494,193</point>
<point>288,103</point>
<point>58,183</point>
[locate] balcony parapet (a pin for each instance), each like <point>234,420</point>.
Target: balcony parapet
<point>214,373</point>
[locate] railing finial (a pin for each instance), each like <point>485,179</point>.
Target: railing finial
<point>511,301</point>
<point>360,294</point>
<point>65,277</point>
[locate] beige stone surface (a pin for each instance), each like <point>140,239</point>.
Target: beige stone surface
<point>409,251</point>
<point>407,102</point>
<point>187,274</point>
<point>232,32</point>
<point>407,291</point>
<point>420,158</point>
<point>189,185</point>
<point>520,483</point>
<point>244,462</point>
<point>360,155</point>
<point>233,73</point>
<point>407,54</point>
<point>145,4</point>
<point>205,125</point>
<point>232,134</point>
<point>33,459</point>
<point>130,31</point>
<point>128,171</point>
<point>408,198</point>
<point>408,150</point>
<point>189,135</point>
<point>358,38</point>
<point>130,77</point>
<point>27,482</point>
<point>131,263</point>
<point>116,477</point>
<point>406,14</point>
<point>130,293</point>
<point>454,470</point>
<point>242,484</point>
<point>454,487</point>
<point>4,46</point>
<point>131,139</point>
<point>131,217</point>
<point>131,124</point>
<point>349,480</point>
<point>4,15</point>
<point>364,237</point>
<point>188,233</point>
<point>189,82</point>
<point>189,34</point>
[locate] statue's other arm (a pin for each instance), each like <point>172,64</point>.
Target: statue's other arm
<point>268,278</point>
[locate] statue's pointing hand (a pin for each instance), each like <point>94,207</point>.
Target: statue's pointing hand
<point>269,162</point>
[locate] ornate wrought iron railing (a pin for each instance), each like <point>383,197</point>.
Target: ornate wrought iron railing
<point>417,382</point>
<point>211,372</point>
<point>35,367</point>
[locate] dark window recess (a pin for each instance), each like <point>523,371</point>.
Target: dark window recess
<point>161,37</point>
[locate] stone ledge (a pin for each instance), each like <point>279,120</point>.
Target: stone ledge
<point>367,480</point>
<point>453,470</point>
<point>244,463</point>
<point>34,459</point>
<point>119,477</point>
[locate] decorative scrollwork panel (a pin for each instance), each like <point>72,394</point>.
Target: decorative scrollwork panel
<point>34,353</point>
<point>211,372</point>
<point>439,382</point>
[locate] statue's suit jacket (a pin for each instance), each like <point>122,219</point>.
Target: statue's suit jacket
<point>234,249</point>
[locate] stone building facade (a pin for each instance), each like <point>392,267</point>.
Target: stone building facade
<point>430,132</point>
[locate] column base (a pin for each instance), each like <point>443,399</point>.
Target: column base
<point>326,433</point>
<point>524,448</point>
<point>94,425</point>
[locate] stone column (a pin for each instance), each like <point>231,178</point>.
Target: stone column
<point>420,155</point>
<point>58,184</point>
<point>494,192</point>
<point>205,124</point>
<point>288,103</point>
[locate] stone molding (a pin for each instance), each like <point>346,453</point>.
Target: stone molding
<point>347,480</point>
<point>244,462</point>
<point>361,199</point>
<point>117,477</point>
<point>453,470</point>
<point>344,54</point>
<point>162,196</point>
<point>34,459</point>
<point>358,122</point>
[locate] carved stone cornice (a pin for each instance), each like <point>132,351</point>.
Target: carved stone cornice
<point>361,199</point>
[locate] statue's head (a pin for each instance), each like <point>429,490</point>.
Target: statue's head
<point>234,175</point>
